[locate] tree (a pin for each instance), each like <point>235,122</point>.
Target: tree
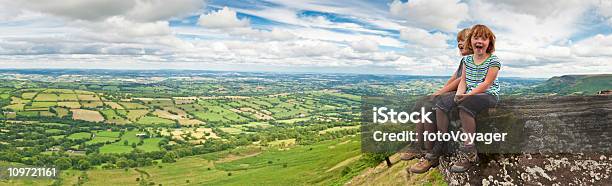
<point>169,157</point>
<point>122,163</point>
<point>63,163</point>
<point>83,164</point>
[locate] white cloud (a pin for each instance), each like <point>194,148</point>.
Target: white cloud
<point>604,8</point>
<point>598,45</point>
<point>222,19</point>
<point>129,28</point>
<point>531,37</point>
<point>530,27</point>
<point>256,34</point>
<point>95,10</point>
<point>364,45</point>
<point>443,15</point>
<point>423,38</point>
<point>155,10</point>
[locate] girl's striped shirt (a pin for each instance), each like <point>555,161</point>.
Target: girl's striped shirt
<point>475,74</point>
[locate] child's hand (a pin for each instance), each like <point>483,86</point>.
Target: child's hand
<point>460,97</point>
<point>433,96</point>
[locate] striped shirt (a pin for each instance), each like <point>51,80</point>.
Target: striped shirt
<point>475,74</point>
<point>459,69</point>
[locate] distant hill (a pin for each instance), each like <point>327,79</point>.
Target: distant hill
<point>576,84</point>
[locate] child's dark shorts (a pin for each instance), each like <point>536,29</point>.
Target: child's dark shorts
<point>429,105</point>
<point>472,104</point>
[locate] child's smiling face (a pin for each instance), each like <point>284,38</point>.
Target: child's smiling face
<point>480,44</point>
<point>463,49</point>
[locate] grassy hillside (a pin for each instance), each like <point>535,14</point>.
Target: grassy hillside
<point>576,84</point>
<point>397,175</point>
<point>317,164</point>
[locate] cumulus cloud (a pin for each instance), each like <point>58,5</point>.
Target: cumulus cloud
<point>598,45</point>
<point>604,8</point>
<point>95,10</point>
<point>133,29</point>
<point>553,24</point>
<point>222,19</point>
<point>443,15</point>
<point>257,34</point>
<point>364,45</point>
<point>155,10</point>
<point>410,37</point>
<point>423,38</point>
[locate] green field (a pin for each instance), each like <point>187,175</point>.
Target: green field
<point>69,104</point>
<point>68,97</point>
<point>129,105</point>
<point>111,116</point>
<point>61,91</point>
<point>108,134</point>
<point>319,164</point>
<point>15,107</point>
<point>294,120</point>
<point>4,96</point>
<point>150,144</point>
<point>92,104</point>
<point>79,135</point>
<point>133,115</point>
<point>28,113</point>
<point>101,139</point>
<point>151,120</point>
<point>28,95</point>
<point>219,114</point>
<point>119,147</point>
<point>37,104</point>
<point>53,131</point>
<point>46,97</point>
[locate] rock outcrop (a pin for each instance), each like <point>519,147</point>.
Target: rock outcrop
<point>554,141</point>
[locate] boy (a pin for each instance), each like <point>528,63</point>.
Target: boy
<point>431,155</point>
<point>478,90</point>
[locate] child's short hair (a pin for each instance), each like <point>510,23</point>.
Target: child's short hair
<point>483,31</point>
<point>463,34</point>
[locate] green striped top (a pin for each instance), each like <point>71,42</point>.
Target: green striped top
<point>475,74</point>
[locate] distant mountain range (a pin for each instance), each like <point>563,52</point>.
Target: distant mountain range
<point>576,84</point>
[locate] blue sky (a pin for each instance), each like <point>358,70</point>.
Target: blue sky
<point>416,37</point>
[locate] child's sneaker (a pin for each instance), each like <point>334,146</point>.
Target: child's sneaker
<point>468,157</point>
<point>437,151</point>
<point>412,151</point>
<point>407,156</point>
<point>423,166</point>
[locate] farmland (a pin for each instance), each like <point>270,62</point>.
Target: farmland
<point>162,128</point>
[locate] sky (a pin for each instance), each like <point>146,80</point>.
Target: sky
<point>535,38</point>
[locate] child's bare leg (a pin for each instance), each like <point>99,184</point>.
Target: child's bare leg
<point>413,150</point>
<point>430,128</point>
<point>419,131</point>
<point>468,123</point>
<point>441,121</point>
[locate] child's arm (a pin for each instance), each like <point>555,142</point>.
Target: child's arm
<point>491,76</point>
<point>462,86</point>
<point>451,79</point>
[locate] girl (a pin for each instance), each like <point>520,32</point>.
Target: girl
<point>478,90</point>
<point>431,155</point>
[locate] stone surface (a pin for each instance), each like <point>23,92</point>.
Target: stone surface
<point>557,141</point>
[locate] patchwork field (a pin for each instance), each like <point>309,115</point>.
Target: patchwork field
<point>87,115</point>
<point>124,145</point>
<point>244,166</point>
<point>116,125</point>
